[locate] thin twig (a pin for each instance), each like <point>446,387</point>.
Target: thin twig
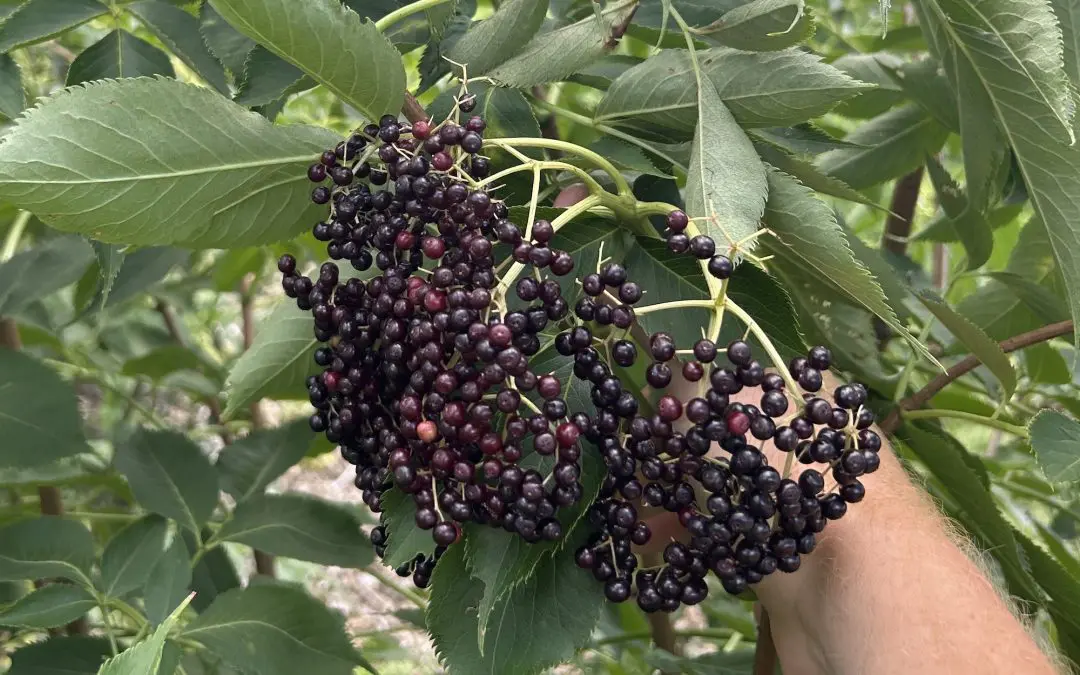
<point>919,398</point>
<point>411,108</point>
<point>902,212</point>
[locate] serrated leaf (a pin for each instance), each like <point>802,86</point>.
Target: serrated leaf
<point>119,54</point>
<point>61,655</point>
<point>1055,438</point>
<point>160,162</point>
<point>40,271</point>
<point>49,606</point>
<point>130,555</point>
<point>145,656</point>
<point>624,156</point>
<point>404,539</point>
<point>39,414</point>
<point>1045,365</point>
<point>872,69</point>
<point>925,83</point>
<point>980,515</point>
<point>726,182</point>
<point>46,547</point>
<point>548,361</point>
<point>976,341</point>
<point>761,89</point>
<point>807,236</point>
<point>1064,591</point>
<point>328,41</point>
<point>668,277</point>
<point>896,142</point>
<point>1013,50</point>
<point>271,629</point>
<point>37,20</point>
<point>761,25</point>
<point>969,222</point>
<point>12,94</point>
<point>502,560</point>
<point>556,55</point>
<point>169,475</point>
<point>228,45</point>
<point>168,583</point>
<point>142,271</point>
<point>492,41</point>
<point>801,140</point>
<point>213,575</point>
<point>267,77</point>
<point>299,526</point>
<point>601,73</point>
<point>539,624</point>
<point>110,260</point>
<point>179,31</point>
<point>278,361</point>
<point>250,464</point>
<point>809,175</point>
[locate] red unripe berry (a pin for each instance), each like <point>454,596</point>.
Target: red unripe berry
<point>669,408</point>
<point>567,434</point>
<point>500,335</point>
<point>442,161</point>
<point>331,380</point>
<point>738,422</point>
<point>421,129</point>
<point>415,292</point>
<point>427,431</point>
<point>405,240</point>
<point>433,247</point>
<point>435,301</point>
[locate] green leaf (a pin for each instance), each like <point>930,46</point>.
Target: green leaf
<point>250,464</point>
<point>624,156</point>
<point>329,42</point>
<point>764,299</point>
<point>131,554</point>
<point>12,94</point>
<point>507,112</point>
<point>278,361</point>
<point>541,623</point>
<point>142,271</point>
<point>40,271</point>
<point>740,662</point>
<point>492,41</point>
<point>726,181</point>
<point>48,607</point>
<point>228,45</point>
<point>170,476</point>
<point>46,547</point>
<point>761,89</point>
<point>145,656</point>
<point>1046,365</point>
<point>213,575</point>
<point>162,361</point>
<point>168,583</point>
<point>38,20</point>
<point>110,259</point>
<point>179,31</point>
<point>404,539</point>
<point>896,143</point>
<point>63,655</point>
<point>601,73</point>
<point>1013,51</point>
<point>558,54</point>
<point>925,83</point>
<point>986,152</point>
<point>669,277</point>
<point>119,54</point>
<point>267,78</point>
<point>1043,302</point>
<point>872,69</point>
<point>1055,438</point>
<point>502,561</point>
<point>802,140</point>
<point>969,222</point>
<point>975,341</point>
<point>39,414</point>
<point>980,515</point>
<point>299,526</point>
<point>271,629</point>
<point>808,240</point>
<point>160,162</point>
<point>762,25</point>
<point>808,174</point>
<point>1064,591</point>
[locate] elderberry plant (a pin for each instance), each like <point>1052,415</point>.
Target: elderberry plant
<point>592,313</point>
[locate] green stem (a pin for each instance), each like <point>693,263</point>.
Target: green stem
<point>127,610</point>
<point>100,516</point>
<point>410,595</point>
<point>109,629</point>
<point>1036,496</point>
<point>598,160</point>
<point>563,218</point>
<point>11,242</point>
<point>770,349</point>
<point>676,304</point>
<point>934,413</point>
<point>913,360</point>
<point>404,12</point>
<point>594,187</point>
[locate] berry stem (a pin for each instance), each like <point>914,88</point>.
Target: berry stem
<point>675,304</point>
<point>770,349</point>
<point>11,241</point>
<point>404,12</point>
<point>570,148</point>
<point>529,164</point>
<point>935,413</point>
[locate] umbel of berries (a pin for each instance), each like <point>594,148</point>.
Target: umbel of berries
<point>424,371</point>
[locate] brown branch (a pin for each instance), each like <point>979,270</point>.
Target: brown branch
<point>413,111</point>
<point>898,224</point>
<point>920,398</point>
<point>765,649</point>
<point>170,323</point>
<point>264,562</point>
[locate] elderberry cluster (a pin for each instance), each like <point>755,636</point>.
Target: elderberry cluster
<point>743,519</point>
<point>425,369</point>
